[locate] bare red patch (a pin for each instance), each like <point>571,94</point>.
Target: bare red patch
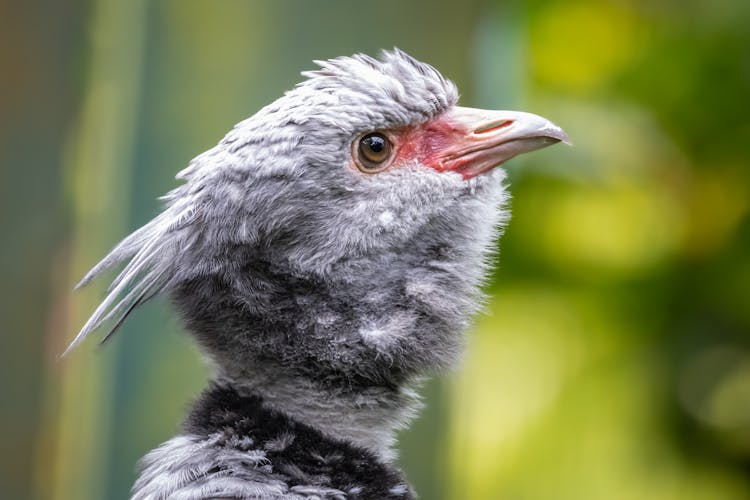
<point>429,143</point>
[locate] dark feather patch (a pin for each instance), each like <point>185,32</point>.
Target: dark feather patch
<point>308,459</point>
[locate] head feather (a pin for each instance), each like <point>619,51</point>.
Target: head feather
<point>151,253</point>
<point>345,93</point>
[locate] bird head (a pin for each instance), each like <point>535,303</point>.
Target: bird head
<point>343,229</point>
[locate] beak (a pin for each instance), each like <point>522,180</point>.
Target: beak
<point>474,141</point>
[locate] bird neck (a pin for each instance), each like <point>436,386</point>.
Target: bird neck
<point>343,358</point>
<point>368,418</point>
<point>343,352</point>
<point>381,330</point>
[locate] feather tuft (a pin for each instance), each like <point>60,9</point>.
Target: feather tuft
<point>150,253</point>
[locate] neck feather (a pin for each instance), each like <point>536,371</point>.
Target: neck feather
<point>365,417</point>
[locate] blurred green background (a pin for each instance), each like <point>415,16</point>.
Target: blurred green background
<point>613,361</point>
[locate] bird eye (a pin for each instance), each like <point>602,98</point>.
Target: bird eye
<point>373,152</point>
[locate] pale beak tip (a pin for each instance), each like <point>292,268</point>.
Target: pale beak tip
<point>555,132</point>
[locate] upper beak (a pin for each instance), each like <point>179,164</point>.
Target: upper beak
<point>477,140</point>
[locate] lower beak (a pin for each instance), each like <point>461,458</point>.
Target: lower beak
<point>476,140</point>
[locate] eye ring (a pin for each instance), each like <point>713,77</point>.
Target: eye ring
<point>372,152</point>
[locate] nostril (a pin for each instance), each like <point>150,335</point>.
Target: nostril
<point>489,127</point>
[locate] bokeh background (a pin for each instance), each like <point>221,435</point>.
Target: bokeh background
<point>613,361</point>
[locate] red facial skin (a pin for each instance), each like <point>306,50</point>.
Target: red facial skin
<point>441,144</point>
<point>426,143</point>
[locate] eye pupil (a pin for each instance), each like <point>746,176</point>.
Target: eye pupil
<point>375,143</point>
<point>373,152</point>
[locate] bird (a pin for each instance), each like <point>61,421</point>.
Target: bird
<point>327,256</point>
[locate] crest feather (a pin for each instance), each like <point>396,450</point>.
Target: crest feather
<point>150,270</point>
